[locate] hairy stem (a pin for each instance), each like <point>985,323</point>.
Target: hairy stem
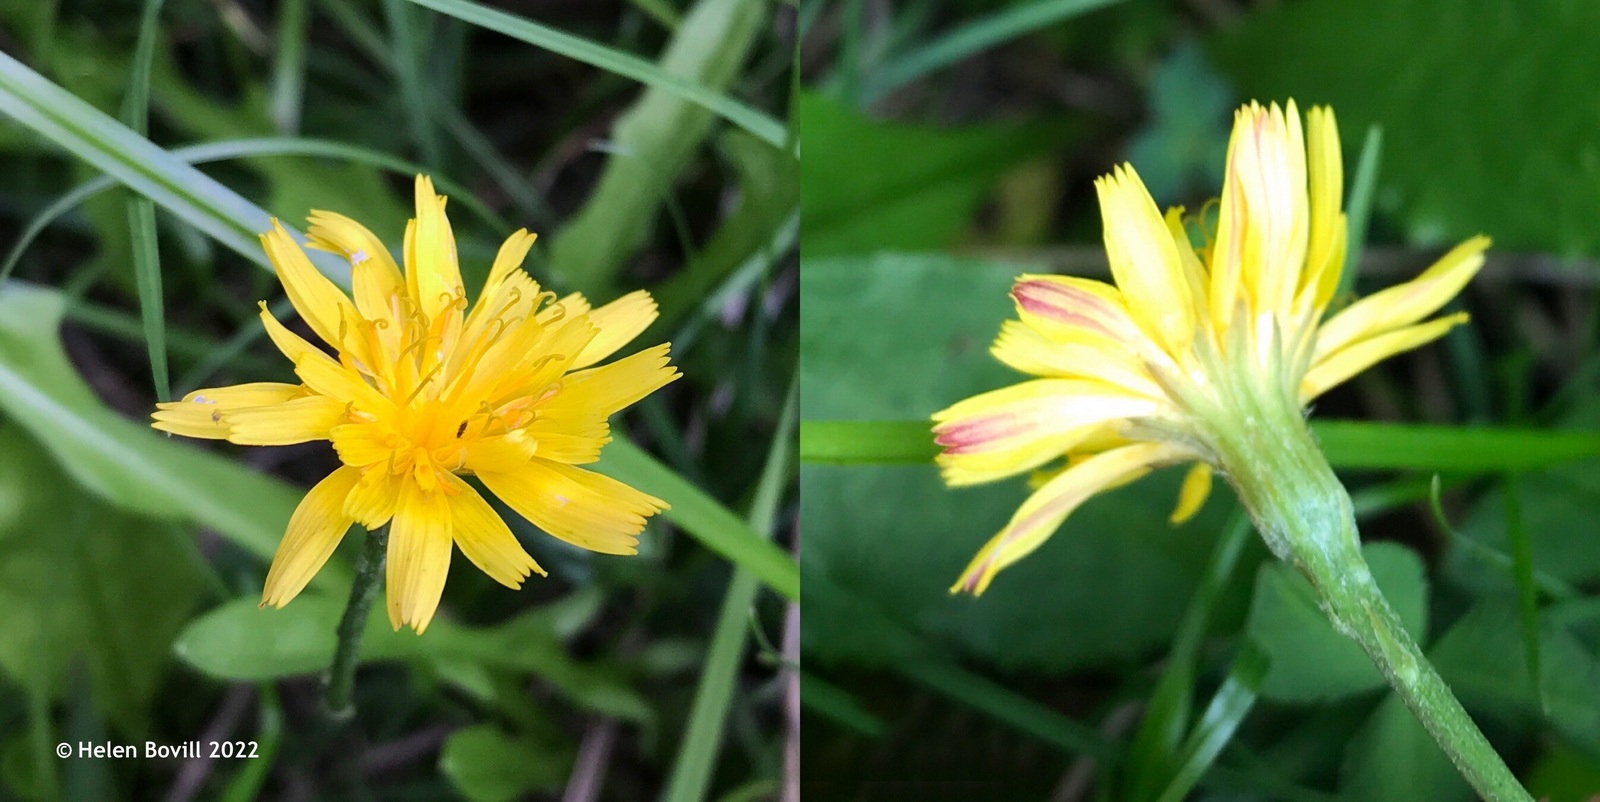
<point>1305,516</point>
<point>342,674</point>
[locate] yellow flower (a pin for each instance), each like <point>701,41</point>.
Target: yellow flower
<point>1191,347</point>
<point>423,389</point>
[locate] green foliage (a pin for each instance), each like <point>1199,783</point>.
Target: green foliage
<point>86,587</point>
<point>488,765</point>
<point>1472,97</point>
<point>857,193</point>
<point>1309,660</point>
<point>123,461</point>
<point>652,143</point>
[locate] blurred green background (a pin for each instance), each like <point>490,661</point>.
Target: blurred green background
<point>950,146</point>
<point>131,564</point>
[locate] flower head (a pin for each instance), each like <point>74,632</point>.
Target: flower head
<point>424,387</point>
<point>1192,348</point>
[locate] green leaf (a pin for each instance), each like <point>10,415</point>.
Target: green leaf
<point>240,641</point>
<point>89,134</point>
<point>894,538</point>
<point>976,35</point>
<point>122,461</point>
<point>611,60</point>
<point>702,517</point>
<point>1218,723</point>
<point>1481,657</point>
<point>1310,661</point>
<point>1394,757</point>
<point>84,583</point>
<point>1431,72</point>
<point>486,764</point>
<point>651,144</point>
<point>1557,510</point>
<point>861,192</point>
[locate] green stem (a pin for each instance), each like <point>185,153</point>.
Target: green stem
<point>342,674</point>
<point>1305,515</point>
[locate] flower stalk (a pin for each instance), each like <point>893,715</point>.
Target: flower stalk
<point>340,687</point>
<point>1305,515</point>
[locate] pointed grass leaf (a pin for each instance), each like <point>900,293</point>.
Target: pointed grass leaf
<point>611,60</point>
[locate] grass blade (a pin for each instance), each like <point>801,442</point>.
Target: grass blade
<point>1527,591</point>
<point>616,61</point>
<point>147,275</point>
<point>289,66</point>
<point>1222,718</point>
<point>702,738</point>
<point>1155,745</point>
<point>142,213</point>
<point>408,62</point>
<point>91,135</point>
<point>241,148</point>
<point>974,37</point>
<point>1347,444</point>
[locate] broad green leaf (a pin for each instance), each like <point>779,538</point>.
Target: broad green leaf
<point>84,583</point>
<point>122,461</point>
<point>240,641</point>
<point>1557,509</point>
<point>1563,774</point>
<point>611,60</point>
<point>1481,657</point>
<point>1117,576</point>
<point>1469,103</point>
<point>486,764</point>
<point>1393,757</point>
<point>870,186</point>
<point>652,142</point>
<point>1310,661</point>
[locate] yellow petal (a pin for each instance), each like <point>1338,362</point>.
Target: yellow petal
<point>1192,495</point>
<point>323,306</point>
<point>373,500</point>
<point>374,277</point>
<point>1403,304</point>
<point>1071,309</point>
<point>485,539</point>
<point>1194,270</point>
<point>337,381</point>
<point>618,322</point>
<point>586,509</point>
<point>298,420</point>
<point>1007,431</point>
<point>510,257</point>
<point>1325,248</point>
<point>503,453</point>
<point>1335,368</point>
<point>362,444</point>
<point>419,556</point>
<point>314,531</point>
<point>1022,347</point>
<point>569,436</point>
<point>202,413</point>
<point>607,389</point>
<point>434,274</point>
<point>566,307</point>
<point>1048,507</point>
<point>1226,292</point>
<point>1145,261</point>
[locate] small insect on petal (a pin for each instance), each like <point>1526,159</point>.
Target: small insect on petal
<point>460,430</point>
